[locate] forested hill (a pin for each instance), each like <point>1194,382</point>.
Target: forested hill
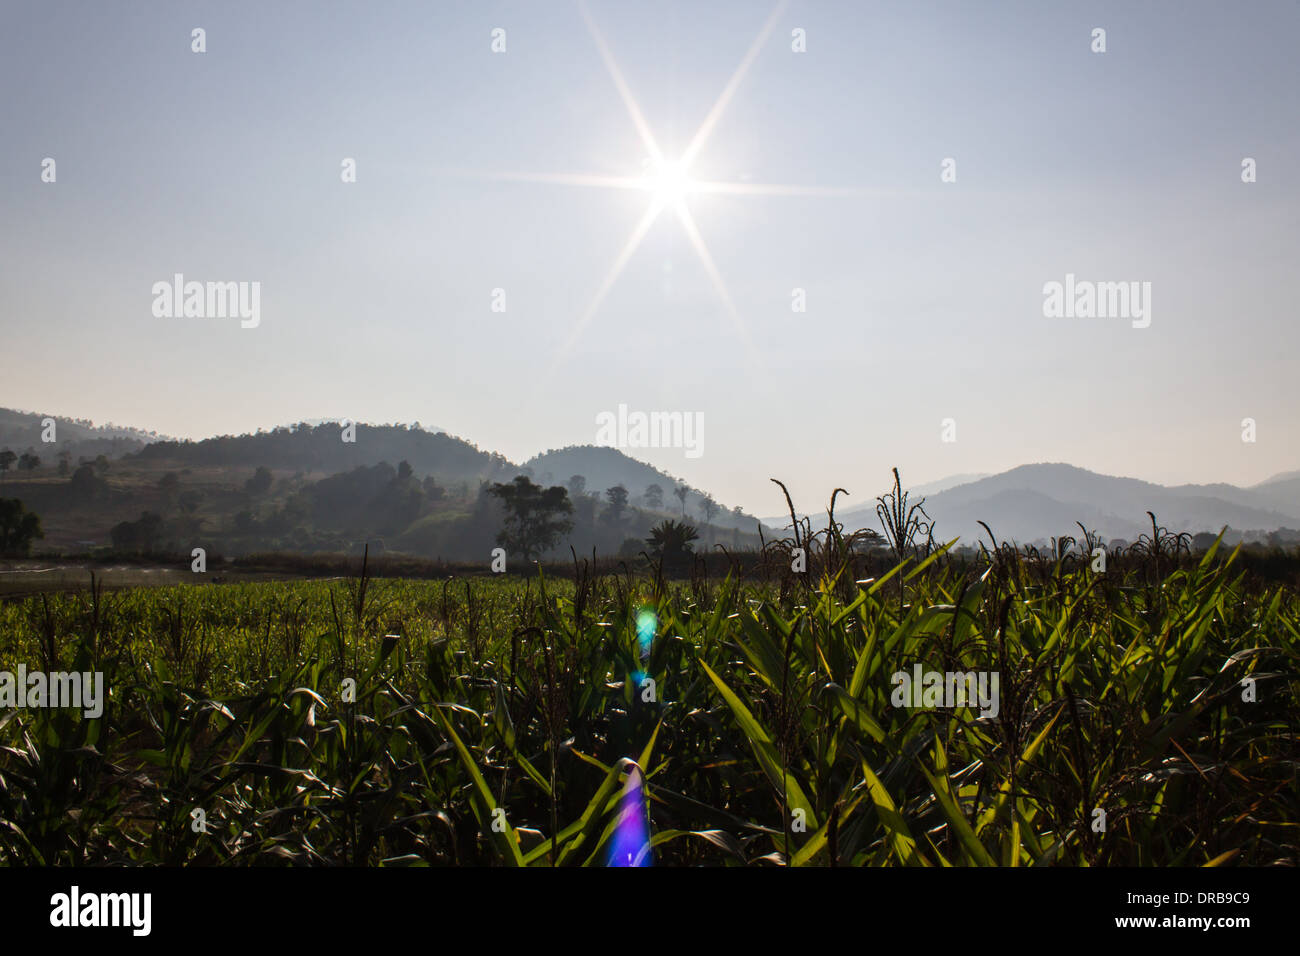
<point>602,467</point>
<point>321,448</point>
<point>78,437</point>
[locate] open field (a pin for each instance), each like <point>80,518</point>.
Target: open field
<point>30,577</point>
<point>1145,716</point>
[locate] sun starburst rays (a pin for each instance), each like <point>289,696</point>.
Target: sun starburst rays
<point>630,247</point>
<point>629,101</point>
<point>697,241</point>
<point>669,185</point>
<point>728,91</point>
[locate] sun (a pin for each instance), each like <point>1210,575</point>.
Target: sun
<point>670,185</point>
<point>668,182</point>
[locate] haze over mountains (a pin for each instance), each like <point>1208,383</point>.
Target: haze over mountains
<point>315,446</point>
<point>1027,503</point>
<point>604,467</point>
<point>322,449</point>
<point>1037,501</point>
<point>20,430</point>
<point>309,488</point>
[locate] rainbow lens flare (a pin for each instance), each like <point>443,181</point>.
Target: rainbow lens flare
<point>630,845</point>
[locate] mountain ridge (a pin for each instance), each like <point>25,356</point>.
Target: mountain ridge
<point>1112,505</point>
<point>1027,502</point>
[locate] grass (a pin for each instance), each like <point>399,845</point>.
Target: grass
<point>385,721</point>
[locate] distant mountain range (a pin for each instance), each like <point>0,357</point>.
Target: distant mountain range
<point>322,451</point>
<point>1027,503</point>
<point>318,449</point>
<point>943,484</point>
<point>1034,502</point>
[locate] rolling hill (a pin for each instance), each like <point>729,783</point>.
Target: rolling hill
<point>603,467</point>
<point>1037,501</point>
<point>1027,503</point>
<point>317,449</point>
<point>81,438</point>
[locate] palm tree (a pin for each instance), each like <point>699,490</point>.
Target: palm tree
<point>681,491</point>
<point>671,541</point>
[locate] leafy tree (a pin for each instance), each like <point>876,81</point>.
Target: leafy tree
<point>84,483</point>
<point>654,497</point>
<point>140,536</point>
<point>400,503</point>
<point>432,490</point>
<point>18,527</point>
<point>65,463</point>
<point>1276,539</point>
<point>1202,541</point>
<point>260,483</point>
<point>29,462</point>
<point>617,498</point>
<point>577,484</point>
<point>190,501</point>
<point>709,508</point>
<point>169,484</point>
<point>681,491</point>
<point>535,518</point>
<point>101,464</point>
<point>584,511</point>
<point>7,458</point>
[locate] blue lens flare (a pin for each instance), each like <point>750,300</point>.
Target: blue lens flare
<point>630,845</point>
<point>646,625</point>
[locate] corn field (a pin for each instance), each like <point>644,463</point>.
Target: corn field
<point>1147,717</point>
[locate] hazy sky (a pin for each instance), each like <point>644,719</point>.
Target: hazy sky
<point>924,299</point>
